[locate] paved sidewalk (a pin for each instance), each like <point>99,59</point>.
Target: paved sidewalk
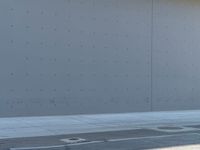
<point>60,125</point>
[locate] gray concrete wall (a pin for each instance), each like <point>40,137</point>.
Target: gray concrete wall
<point>176,55</point>
<point>98,56</point>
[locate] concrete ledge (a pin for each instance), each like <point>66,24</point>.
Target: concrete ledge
<point>60,125</point>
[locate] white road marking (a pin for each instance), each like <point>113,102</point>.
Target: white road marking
<point>58,146</point>
<point>85,143</point>
<point>148,137</point>
<point>38,148</point>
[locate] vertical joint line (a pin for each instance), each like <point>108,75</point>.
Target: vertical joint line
<point>152,28</point>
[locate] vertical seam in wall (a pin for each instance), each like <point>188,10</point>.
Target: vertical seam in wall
<point>152,28</point>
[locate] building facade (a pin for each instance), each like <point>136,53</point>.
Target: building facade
<point>62,57</point>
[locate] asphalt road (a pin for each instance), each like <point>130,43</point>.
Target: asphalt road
<point>138,139</point>
<point>176,141</point>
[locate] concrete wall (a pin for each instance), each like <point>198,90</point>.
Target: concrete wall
<point>176,55</point>
<point>98,56</point>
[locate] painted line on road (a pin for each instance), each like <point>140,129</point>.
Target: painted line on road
<point>127,139</point>
<point>38,148</point>
<point>149,137</point>
<point>53,147</point>
<point>85,143</point>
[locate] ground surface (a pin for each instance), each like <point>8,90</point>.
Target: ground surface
<point>133,131</point>
<point>173,138</point>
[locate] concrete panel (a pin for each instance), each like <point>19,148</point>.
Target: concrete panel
<point>176,68</point>
<point>74,56</point>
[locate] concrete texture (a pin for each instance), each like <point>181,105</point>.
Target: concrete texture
<point>74,57</point>
<point>60,125</point>
<point>63,57</point>
<point>176,74</point>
